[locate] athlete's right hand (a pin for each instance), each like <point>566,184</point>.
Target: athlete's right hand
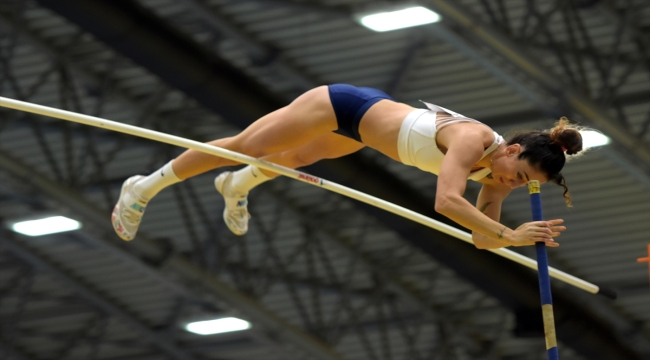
<point>537,231</point>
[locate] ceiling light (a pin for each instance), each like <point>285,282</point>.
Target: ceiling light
<point>217,326</point>
<point>399,19</point>
<point>592,138</point>
<point>48,225</point>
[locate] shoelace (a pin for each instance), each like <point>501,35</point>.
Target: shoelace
<point>132,216</point>
<point>239,211</point>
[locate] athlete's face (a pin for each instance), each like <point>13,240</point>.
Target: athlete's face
<point>507,169</point>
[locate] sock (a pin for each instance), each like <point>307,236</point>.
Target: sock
<point>243,180</point>
<point>151,185</point>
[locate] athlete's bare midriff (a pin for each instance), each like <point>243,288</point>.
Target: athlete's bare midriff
<point>380,125</point>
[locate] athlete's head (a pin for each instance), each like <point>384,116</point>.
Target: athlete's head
<point>547,151</point>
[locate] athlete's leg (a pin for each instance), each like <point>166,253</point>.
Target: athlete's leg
<point>305,119</point>
<point>235,186</point>
<point>298,123</point>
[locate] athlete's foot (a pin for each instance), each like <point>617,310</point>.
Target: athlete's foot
<point>128,211</point>
<point>235,212</point>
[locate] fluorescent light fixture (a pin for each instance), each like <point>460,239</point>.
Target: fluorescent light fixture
<point>399,19</point>
<point>217,326</point>
<point>49,225</point>
<point>592,138</point>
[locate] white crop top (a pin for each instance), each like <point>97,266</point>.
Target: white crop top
<point>417,145</point>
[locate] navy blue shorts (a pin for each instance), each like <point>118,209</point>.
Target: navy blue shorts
<point>350,104</point>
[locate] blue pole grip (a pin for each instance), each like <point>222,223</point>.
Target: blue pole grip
<point>542,259</point>
<point>544,278</point>
<point>536,205</point>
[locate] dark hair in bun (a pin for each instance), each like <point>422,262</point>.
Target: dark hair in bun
<point>547,150</point>
<point>567,136</point>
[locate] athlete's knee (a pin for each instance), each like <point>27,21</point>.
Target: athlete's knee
<point>243,146</point>
<point>253,151</point>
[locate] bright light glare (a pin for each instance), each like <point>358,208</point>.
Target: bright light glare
<point>217,326</point>
<point>49,225</point>
<point>593,138</point>
<point>393,20</point>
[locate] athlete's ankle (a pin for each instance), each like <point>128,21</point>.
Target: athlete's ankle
<point>247,178</point>
<point>151,185</point>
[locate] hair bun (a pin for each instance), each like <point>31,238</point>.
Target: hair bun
<point>567,136</point>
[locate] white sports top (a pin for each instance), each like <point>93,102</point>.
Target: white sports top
<point>417,145</point>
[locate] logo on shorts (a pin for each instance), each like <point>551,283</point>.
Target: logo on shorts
<point>309,178</point>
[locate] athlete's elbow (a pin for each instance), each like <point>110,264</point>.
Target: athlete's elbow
<point>444,204</point>
<point>479,242</point>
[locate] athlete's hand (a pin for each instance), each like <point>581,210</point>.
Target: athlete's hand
<point>537,231</point>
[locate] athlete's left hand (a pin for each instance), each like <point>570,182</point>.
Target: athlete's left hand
<point>556,229</point>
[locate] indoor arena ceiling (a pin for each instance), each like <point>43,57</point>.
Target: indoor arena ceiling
<point>319,276</point>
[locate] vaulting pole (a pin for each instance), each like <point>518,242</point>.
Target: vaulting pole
<point>544,278</point>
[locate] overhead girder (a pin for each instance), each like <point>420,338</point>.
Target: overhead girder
<point>566,98</point>
<point>225,90</point>
<point>96,299</point>
<point>174,57</point>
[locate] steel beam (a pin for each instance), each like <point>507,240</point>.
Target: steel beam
<point>506,49</point>
<point>171,55</point>
<point>9,242</point>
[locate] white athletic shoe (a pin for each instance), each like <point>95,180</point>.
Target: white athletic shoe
<point>235,212</point>
<point>126,217</point>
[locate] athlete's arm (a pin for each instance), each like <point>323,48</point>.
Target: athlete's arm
<point>463,152</point>
<point>489,203</point>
